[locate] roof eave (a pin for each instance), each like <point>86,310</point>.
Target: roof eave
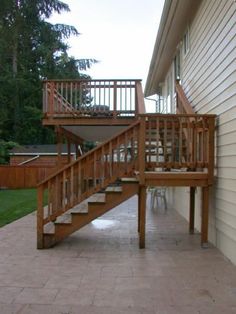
<point>176,16</point>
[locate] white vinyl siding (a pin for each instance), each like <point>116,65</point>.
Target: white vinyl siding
<point>208,76</point>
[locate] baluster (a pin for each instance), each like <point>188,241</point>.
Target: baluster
<point>49,209</point>
<point>180,141</point>
<point>115,99</point>
<point>165,141</point>
<point>79,181</point>
<point>94,169</point>
<point>110,159</point>
<point>173,141</point>
<point>204,145</point>
<point>157,140</point>
<point>103,166</point>
<point>188,143</point>
<point>109,96</point>
<point>71,95</point>
<point>64,190</point>
<point>81,107</point>
<point>194,142</point>
<point>71,186</point>
<point>126,153</point>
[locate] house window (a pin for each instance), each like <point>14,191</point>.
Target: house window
<point>186,44</point>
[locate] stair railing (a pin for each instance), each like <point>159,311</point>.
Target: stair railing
<point>182,103</point>
<point>89,174</point>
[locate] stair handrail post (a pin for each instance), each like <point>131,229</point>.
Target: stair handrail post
<point>139,99</point>
<point>141,149</point>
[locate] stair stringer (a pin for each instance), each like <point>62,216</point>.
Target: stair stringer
<point>95,210</point>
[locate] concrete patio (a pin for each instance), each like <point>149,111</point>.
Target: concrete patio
<point>100,269</point>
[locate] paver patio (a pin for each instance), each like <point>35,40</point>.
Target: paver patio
<point>100,269</point>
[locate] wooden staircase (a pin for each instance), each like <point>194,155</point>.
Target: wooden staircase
<point>94,172</point>
<point>154,150</point>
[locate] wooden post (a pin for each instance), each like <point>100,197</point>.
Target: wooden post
<point>139,206</point>
<point>40,214</point>
<point>142,216</point>
<point>51,98</point>
<point>141,150</point>
<point>205,212</point>
<point>59,148</point>
<point>68,150</point>
<point>191,209</point>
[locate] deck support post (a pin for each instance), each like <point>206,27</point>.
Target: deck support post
<point>192,209</point>
<point>59,148</point>
<point>205,213</point>
<point>142,216</point>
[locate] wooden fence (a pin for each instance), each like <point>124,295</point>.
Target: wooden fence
<point>19,177</point>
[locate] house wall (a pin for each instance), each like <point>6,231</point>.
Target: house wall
<point>209,80</point>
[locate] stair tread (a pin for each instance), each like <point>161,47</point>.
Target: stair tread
<point>131,180</point>
<point>65,219</point>
<point>83,206</point>
<point>116,189</point>
<point>49,228</point>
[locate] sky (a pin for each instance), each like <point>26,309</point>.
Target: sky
<point>119,34</point>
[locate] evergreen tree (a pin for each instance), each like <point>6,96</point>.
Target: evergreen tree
<point>31,49</point>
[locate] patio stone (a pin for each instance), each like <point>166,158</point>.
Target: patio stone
<point>102,270</point>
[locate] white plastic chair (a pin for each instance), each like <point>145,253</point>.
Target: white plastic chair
<point>158,192</point>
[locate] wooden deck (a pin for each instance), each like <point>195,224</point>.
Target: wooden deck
<point>154,150</point>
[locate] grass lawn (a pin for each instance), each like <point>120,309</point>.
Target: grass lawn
<point>15,204</point>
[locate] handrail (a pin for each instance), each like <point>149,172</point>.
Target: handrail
<point>93,98</point>
<point>183,105</point>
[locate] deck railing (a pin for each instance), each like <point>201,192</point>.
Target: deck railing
<point>93,98</point>
<point>178,141</point>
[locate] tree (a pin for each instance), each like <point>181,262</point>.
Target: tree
<point>31,49</point>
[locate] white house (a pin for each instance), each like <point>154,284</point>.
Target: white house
<point>196,44</point>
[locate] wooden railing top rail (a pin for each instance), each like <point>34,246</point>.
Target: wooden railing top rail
<point>173,115</point>
<point>94,80</point>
